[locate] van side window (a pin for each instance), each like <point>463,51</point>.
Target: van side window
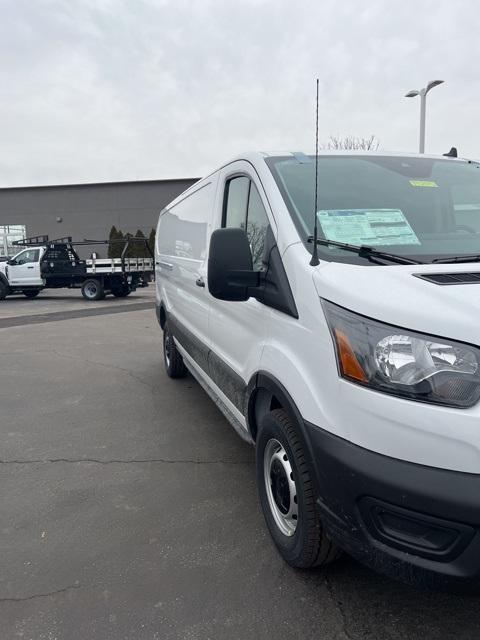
<point>182,229</point>
<point>237,201</point>
<point>244,209</point>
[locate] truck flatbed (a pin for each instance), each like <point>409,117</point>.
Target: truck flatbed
<point>117,265</point>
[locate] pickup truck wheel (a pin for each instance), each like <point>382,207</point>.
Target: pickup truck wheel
<point>31,293</point>
<point>173,360</point>
<point>4,290</point>
<point>93,290</point>
<point>288,496</point>
<point>121,291</point>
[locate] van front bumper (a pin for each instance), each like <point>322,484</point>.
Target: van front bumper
<point>416,523</point>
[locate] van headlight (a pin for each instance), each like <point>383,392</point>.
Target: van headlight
<point>403,362</point>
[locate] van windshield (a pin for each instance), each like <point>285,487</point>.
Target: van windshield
<point>422,208</point>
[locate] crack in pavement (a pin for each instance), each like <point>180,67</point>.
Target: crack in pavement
<point>127,461</point>
<point>339,605</point>
<point>41,595</point>
<point>106,366</point>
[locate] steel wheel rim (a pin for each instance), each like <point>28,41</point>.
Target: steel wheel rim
<point>280,487</point>
<point>91,290</point>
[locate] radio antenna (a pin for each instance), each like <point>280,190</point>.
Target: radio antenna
<point>315,261</point>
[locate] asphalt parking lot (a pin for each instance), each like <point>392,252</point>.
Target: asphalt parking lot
<point>129,509</point>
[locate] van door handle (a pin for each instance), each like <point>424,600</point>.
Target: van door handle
<point>29,267</point>
<point>200,282</point>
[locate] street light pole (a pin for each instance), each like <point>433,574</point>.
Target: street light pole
<point>423,111</point>
<point>423,107</point>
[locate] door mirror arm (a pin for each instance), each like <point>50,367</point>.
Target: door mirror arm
<point>249,279</point>
<point>252,283</point>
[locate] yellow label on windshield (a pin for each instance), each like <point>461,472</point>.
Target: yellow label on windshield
<point>423,183</point>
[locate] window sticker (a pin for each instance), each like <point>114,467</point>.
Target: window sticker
<point>367,226</point>
<point>423,183</point>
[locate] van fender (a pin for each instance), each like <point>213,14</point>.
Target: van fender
<point>266,393</point>
<point>161,313</point>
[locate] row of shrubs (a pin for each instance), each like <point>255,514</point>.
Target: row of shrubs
<point>136,249</point>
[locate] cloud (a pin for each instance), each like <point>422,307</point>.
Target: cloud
<point>123,90</point>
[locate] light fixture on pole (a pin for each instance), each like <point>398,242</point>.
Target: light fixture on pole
<point>423,102</point>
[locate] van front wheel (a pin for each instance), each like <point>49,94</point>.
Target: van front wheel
<point>173,360</point>
<point>31,293</point>
<point>4,290</point>
<point>288,496</point>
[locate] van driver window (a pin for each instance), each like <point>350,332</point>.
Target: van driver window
<point>237,200</point>
<point>244,209</point>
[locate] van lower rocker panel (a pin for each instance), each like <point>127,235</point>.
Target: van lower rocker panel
<point>228,381</point>
<point>215,394</point>
<point>232,385</point>
<point>195,348</point>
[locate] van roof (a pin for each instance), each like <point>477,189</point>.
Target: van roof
<point>255,157</point>
<point>341,152</point>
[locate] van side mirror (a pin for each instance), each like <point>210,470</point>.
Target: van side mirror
<point>230,268</point>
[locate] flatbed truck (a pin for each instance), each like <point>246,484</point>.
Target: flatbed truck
<point>54,264</point>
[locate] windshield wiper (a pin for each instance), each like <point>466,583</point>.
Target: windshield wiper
<point>374,255</point>
<point>453,259</point>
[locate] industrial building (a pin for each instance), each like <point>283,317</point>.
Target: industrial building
<point>83,211</point>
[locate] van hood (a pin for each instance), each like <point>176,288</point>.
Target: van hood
<point>396,295</point>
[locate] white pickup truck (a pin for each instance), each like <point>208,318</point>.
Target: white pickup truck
<point>43,264</point>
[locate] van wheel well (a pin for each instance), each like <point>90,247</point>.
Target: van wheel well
<point>163,317</point>
<point>263,402</point>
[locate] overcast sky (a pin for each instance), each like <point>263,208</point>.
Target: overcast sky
<point>100,90</point>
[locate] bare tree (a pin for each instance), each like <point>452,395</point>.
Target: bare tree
<point>256,236</point>
<point>352,142</point>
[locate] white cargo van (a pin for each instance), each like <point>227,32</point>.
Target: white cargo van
<point>357,378</point>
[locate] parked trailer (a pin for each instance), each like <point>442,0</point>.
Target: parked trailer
<point>54,264</point>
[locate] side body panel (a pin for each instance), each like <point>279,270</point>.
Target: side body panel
<point>237,329</point>
<point>181,264</point>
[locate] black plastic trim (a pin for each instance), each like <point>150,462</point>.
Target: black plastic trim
<point>197,349</point>
<point>265,380</point>
<point>275,285</point>
<point>450,279</point>
<point>347,474</point>
<point>230,383</point>
<point>414,532</point>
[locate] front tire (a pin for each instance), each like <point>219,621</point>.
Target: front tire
<point>31,293</point>
<point>93,290</point>
<point>121,291</point>
<point>4,290</point>
<point>287,494</point>
<point>174,364</point>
